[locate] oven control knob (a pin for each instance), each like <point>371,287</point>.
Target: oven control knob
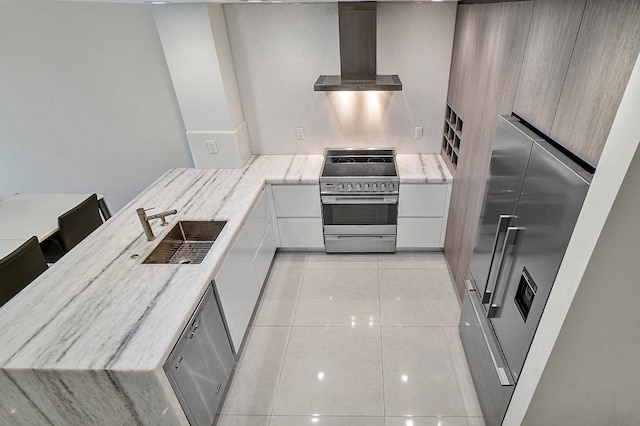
<point>358,186</point>
<point>374,186</point>
<point>349,187</point>
<point>391,186</point>
<point>341,186</point>
<point>382,187</point>
<point>366,186</point>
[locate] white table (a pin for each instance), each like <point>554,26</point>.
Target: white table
<point>25,215</point>
<point>7,246</point>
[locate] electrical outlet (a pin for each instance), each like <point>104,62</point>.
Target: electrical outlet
<point>300,133</point>
<point>212,147</point>
<point>418,134</point>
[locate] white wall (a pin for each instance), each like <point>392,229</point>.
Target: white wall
<point>86,102</point>
<point>582,368</point>
<point>279,50</point>
<point>196,46</point>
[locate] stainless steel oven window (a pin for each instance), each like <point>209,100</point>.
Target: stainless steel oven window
<point>360,214</point>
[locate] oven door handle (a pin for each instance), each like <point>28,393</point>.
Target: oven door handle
<point>383,199</point>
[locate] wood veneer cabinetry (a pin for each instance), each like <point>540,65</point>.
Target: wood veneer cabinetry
<point>562,65</point>
<point>451,138</point>
<point>554,28</point>
<point>605,51</point>
<point>499,40</point>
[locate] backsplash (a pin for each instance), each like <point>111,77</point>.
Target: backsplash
<point>279,50</point>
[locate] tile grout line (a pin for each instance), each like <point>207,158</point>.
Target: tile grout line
<point>384,402</point>
<point>288,357</point>
<point>286,349</point>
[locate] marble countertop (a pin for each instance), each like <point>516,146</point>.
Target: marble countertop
<point>422,168</point>
<point>100,308</point>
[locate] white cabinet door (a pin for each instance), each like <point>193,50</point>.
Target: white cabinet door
<point>297,200</point>
<point>240,279</point>
<point>422,200</point>
<point>301,233</point>
<point>237,286</point>
<point>419,232</point>
<point>265,254</point>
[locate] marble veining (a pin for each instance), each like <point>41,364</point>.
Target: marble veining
<point>422,168</point>
<point>99,319</point>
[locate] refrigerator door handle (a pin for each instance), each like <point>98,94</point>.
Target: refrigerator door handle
<point>496,295</point>
<point>504,222</point>
<point>500,365</point>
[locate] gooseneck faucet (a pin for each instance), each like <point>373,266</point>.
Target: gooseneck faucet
<point>144,220</point>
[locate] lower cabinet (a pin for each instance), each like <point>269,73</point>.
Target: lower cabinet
<point>243,272</point>
<point>419,232</point>
<point>301,232</point>
<point>422,214</point>
<point>201,363</point>
<point>297,208</point>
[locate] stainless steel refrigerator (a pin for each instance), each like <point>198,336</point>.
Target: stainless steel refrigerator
<point>533,195</point>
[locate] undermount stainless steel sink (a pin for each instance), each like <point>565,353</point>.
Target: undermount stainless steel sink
<point>188,242</point>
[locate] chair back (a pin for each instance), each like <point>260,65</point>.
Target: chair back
<point>19,268</point>
<point>80,221</point>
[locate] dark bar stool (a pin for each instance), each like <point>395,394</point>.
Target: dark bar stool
<point>19,268</point>
<point>73,227</point>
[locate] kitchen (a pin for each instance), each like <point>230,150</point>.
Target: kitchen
<point>152,152</point>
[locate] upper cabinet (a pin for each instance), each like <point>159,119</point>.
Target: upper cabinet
<point>461,61</point>
<point>605,51</point>
<point>554,28</point>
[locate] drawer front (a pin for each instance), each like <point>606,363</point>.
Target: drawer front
<point>297,200</point>
<point>301,233</point>
<point>420,233</point>
<point>422,200</point>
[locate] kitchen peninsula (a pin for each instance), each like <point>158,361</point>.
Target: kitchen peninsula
<point>85,343</point>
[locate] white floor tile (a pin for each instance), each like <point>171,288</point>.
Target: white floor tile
<point>417,298</point>
<point>329,262</point>
<point>340,298</point>
<point>349,339</point>
<point>278,304</point>
<point>232,420</point>
<point>426,373</point>
<point>254,385</point>
<point>326,421</point>
<point>290,260</point>
<point>434,421</point>
<point>331,371</point>
<point>412,260</point>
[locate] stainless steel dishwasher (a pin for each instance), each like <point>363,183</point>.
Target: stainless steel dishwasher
<point>201,363</point>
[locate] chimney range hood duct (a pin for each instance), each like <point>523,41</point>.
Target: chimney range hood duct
<point>357,23</point>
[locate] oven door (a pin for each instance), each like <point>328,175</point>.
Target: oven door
<point>360,214</point>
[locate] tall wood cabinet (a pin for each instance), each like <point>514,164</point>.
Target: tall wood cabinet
<point>495,42</point>
<point>561,65</point>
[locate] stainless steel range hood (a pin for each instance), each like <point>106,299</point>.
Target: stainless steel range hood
<point>357,24</point>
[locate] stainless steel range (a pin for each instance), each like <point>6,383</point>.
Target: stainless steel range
<point>359,193</point>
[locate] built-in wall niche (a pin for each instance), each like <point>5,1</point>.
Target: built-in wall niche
<point>451,138</point>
